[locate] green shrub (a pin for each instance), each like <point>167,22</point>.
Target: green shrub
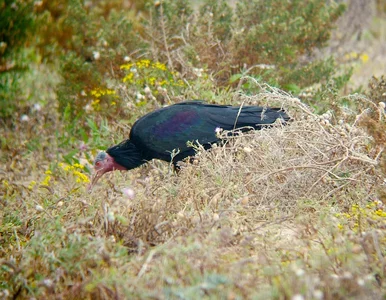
<point>274,35</point>
<point>17,22</point>
<point>100,42</point>
<point>272,41</point>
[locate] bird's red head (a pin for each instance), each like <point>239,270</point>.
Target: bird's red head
<point>103,163</point>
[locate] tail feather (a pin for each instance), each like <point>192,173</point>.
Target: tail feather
<point>250,116</point>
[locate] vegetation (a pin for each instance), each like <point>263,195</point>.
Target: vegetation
<point>293,212</point>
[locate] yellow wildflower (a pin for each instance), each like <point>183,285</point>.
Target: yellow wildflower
<point>380,213</point>
<point>79,166</point>
<point>144,63</point>
<point>32,184</point>
<point>348,216</point>
<point>351,55</point>
<point>46,180</point>
<point>48,172</point>
<point>128,77</point>
<point>80,177</point>
<point>95,102</point>
<point>364,57</point>
<point>126,66</point>
<point>110,92</point>
<point>160,66</point>
<point>96,93</point>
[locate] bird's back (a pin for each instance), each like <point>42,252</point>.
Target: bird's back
<point>160,132</point>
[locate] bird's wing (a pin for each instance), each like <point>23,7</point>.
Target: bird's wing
<point>170,128</point>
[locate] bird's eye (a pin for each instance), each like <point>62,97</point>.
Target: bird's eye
<point>98,164</point>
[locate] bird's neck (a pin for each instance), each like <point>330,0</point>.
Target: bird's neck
<point>126,156</point>
<point>116,166</point>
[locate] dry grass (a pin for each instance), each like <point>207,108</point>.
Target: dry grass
<point>288,211</point>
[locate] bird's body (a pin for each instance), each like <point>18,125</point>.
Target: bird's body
<point>167,130</point>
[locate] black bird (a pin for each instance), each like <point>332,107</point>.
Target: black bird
<point>159,133</point>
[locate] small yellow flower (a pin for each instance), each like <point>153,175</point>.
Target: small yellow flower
<point>110,92</point>
<point>144,63</point>
<point>364,57</point>
<point>126,66</point>
<point>340,226</point>
<point>95,102</point>
<point>160,66</point>
<point>113,103</point>
<point>380,213</point>
<point>48,172</point>
<point>128,77</point>
<point>46,180</point>
<point>348,216</point>
<point>32,184</point>
<point>351,55</point>
<point>96,93</point>
<point>80,177</point>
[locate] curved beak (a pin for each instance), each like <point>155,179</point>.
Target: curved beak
<point>95,177</point>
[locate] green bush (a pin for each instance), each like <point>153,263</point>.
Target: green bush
<point>275,40</point>
<point>272,41</point>
<point>99,43</point>
<point>17,22</point>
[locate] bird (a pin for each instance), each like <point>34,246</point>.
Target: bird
<point>164,133</point>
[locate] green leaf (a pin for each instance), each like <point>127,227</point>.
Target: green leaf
<point>293,88</point>
<point>235,77</point>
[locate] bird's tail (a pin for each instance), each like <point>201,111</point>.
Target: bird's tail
<point>257,117</point>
